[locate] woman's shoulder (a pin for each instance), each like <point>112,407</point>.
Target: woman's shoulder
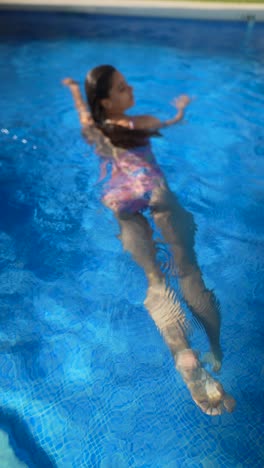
<point>145,122</point>
<point>137,122</point>
<point>127,122</point>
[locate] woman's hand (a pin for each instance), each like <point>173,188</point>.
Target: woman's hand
<point>70,82</point>
<point>181,102</point>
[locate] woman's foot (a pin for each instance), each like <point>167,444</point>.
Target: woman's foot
<point>214,360</point>
<point>206,392</point>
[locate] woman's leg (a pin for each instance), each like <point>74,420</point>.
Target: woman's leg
<point>136,237</point>
<point>178,229</point>
<point>161,302</point>
<point>165,310</point>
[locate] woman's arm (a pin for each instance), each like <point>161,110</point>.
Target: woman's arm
<point>92,134</point>
<point>84,114</point>
<point>152,123</point>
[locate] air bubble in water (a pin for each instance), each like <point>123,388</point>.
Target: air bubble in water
<point>15,137</point>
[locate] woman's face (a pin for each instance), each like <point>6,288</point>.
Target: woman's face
<point>120,95</point>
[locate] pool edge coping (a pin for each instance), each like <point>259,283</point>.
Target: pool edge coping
<point>155,8</point>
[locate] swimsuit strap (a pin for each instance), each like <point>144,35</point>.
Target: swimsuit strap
<point>131,124</point>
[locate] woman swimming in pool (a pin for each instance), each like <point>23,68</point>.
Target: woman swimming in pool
<point>137,183</point>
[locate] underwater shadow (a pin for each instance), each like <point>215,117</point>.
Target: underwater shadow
<point>22,441</point>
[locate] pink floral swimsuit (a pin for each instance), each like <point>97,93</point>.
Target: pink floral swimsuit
<point>134,177</point>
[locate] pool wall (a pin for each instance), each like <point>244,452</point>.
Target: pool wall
<point>168,9</point>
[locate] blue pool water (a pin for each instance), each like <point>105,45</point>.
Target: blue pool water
<point>85,378</point>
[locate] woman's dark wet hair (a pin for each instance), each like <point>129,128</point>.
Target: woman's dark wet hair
<point>98,84</point>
